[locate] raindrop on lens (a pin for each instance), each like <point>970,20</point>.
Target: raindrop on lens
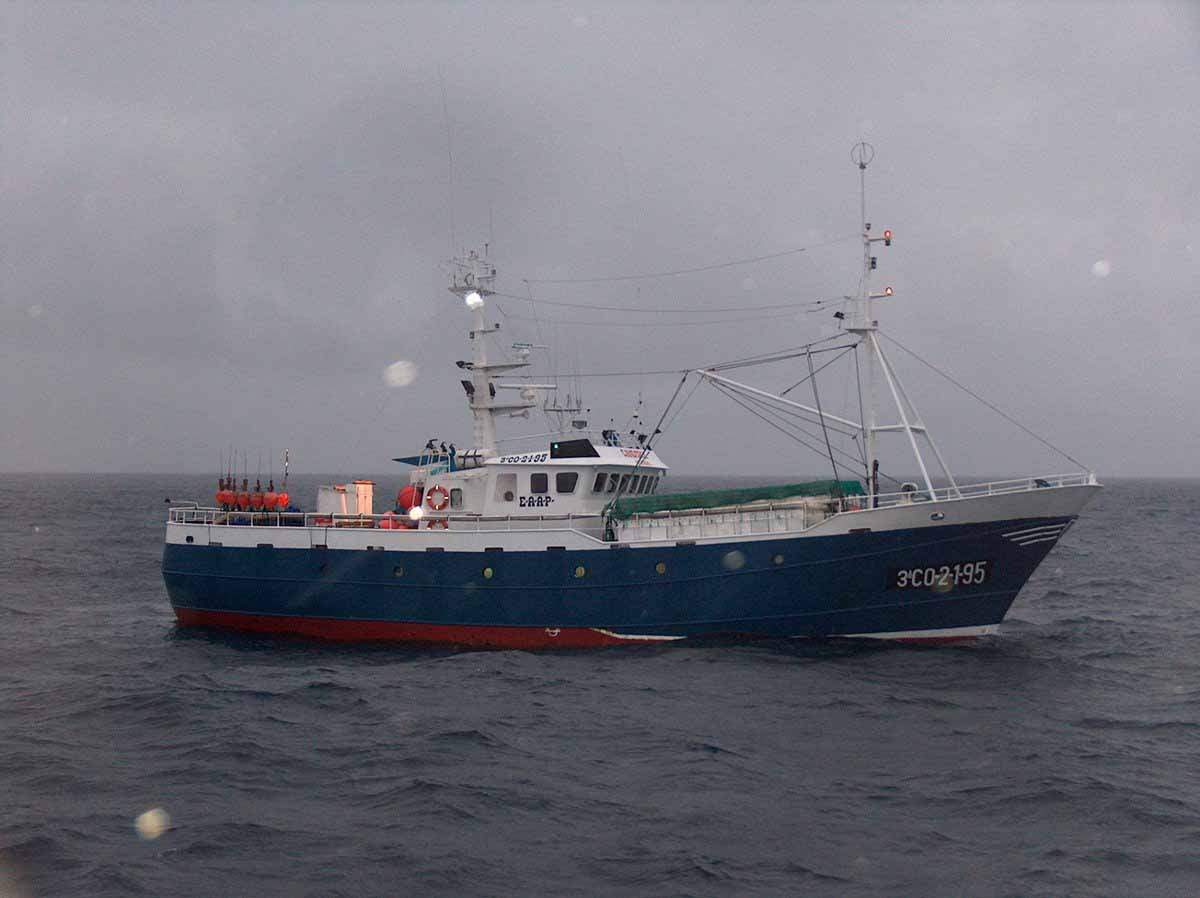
<point>733,560</point>
<point>152,824</point>
<point>400,374</point>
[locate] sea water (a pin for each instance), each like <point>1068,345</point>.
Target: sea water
<point>1060,758</point>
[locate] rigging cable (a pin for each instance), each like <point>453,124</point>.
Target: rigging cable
<point>862,414</point>
<point>819,370</point>
<point>714,267</point>
<point>769,409</point>
<point>812,376</point>
<point>998,411</point>
<point>650,441</point>
<point>662,309</point>
<point>765,357</point>
<point>645,324</point>
<point>782,429</point>
<point>722,389</point>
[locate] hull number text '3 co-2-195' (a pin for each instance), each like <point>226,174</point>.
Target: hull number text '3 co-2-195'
<point>946,576</point>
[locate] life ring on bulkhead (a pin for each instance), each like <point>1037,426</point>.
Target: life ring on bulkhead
<point>437,498</point>
<point>437,524</point>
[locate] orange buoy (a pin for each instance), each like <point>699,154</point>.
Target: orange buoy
<point>281,501</point>
<point>409,497</point>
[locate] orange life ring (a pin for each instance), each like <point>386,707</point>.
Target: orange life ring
<point>437,498</point>
<point>437,524</point>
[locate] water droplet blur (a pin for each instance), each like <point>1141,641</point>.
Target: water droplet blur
<point>10,879</point>
<point>749,283</point>
<point>35,310</point>
<point>152,823</point>
<point>1102,268</point>
<point>581,21</point>
<point>733,560</point>
<point>400,374</point>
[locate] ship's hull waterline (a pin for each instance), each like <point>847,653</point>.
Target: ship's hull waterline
<point>944,583</point>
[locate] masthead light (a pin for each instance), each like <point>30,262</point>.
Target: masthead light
<point>473,300</point>
<point>887,291</point>
<point>887,237</point>
<point>416,513</point>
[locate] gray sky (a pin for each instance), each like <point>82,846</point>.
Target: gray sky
<point>221,222</point>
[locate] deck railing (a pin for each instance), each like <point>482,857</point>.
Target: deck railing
<point>968,491</point>
<point>219,517</point>
<point>785,516</point>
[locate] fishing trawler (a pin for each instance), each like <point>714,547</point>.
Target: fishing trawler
<point>570,542</point>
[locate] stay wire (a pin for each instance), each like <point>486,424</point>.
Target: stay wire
<point>812,377</point>
<point>853,460</point>
<point>818,371</point>
<point>800,414</point>
<point>574,322</point>
<point>770,356</point>
<point>701,268</point>
<point>691,310</point>
<point>771,409</point>
<point>781,428</point>
<point>1007,417</point>
<point>650,441</point>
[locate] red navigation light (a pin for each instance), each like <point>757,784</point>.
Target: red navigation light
<point>887,238</point>
<point>887,291</point>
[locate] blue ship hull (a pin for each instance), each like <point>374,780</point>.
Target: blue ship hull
<point>845,585</point>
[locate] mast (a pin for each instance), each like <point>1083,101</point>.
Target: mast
<point>473,278</point>
<point>862,322</point>
<point>862,316</point>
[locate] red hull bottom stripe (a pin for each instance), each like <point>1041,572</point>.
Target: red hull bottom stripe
<point>490,637</point>
<point>391,631</point>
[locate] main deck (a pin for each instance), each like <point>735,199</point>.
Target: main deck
<point>1028,497</point>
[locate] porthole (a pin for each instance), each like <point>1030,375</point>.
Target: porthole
<point>660,568</point>
<point>778,559</point>
<point>488,573</point>
<point>398,571</point>
<point>508,496</point>
<point>191,539</point>
<point>580,572</point>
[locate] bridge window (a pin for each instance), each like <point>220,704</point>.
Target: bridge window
<point>565,481</point>
<point>539,483</point>
<point>506,487</point>
<point>613,480</point>
<point>598,486</point>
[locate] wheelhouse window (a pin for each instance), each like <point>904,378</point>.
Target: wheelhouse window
<point>598,485</point>
<point>565,481</point>
<point>506,487</point>
<point>643,485</point>
<point>539,483</point>
<point>456,498</point>
<point>613,480</point>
